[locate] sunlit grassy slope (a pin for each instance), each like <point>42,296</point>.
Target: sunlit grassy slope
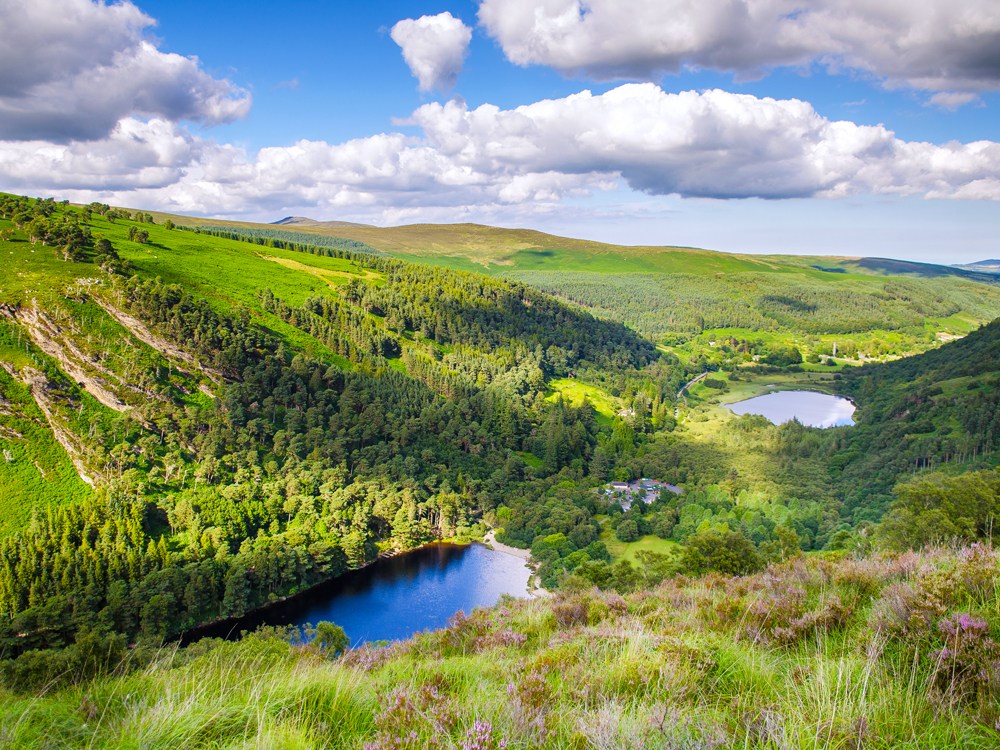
<point>225,271</point>
<point>881,652</point>
<point>35,470</point>
<point>496,249</point>
<point>500,250</point>
<point>33,466</point>
<point>575,391</point>
<point>659,291</point>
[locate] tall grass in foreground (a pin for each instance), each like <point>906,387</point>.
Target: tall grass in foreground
<point>893,651</point>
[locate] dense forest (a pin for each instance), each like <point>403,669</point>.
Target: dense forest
<point>246,435</point>
<point>285,240</point>
<point>297,467</point>
<point>937,410</point>
<point>657,305</point>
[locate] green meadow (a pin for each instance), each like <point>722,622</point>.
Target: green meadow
<point>628,550</point>
<point>575,391</point>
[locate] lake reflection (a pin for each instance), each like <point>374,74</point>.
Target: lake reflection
<point>398,596</point>
<point>813,409</point>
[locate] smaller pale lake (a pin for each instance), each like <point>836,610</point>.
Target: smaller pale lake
<point>813,409</point>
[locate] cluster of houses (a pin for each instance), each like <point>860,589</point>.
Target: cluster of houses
<point>638,489</point>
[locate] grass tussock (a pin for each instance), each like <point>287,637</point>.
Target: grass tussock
<point>890,651</point>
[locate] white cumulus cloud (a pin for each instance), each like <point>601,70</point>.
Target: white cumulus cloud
<point>72,69</point>
<point>136,155</point>
<point>711,144</point>
<point>434,47</point>
<point>927,44</point>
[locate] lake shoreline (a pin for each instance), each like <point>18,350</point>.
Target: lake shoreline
<point>534,590</point>
<point>209,628</point>
<point>811,408</point>
<point>184,637</point>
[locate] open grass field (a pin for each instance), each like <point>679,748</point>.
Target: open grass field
<point>36,470</point>
<point>332,277</point>
<point>574,391</point>
<point>503,250</point>
<point>496,249</point>
<point>879,307</point>
<point>225,271</point>
<point>627,550</point>
<point>531,459</point>
<point>686,301</point>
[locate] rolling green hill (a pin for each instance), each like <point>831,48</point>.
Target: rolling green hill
<point>939,410</point>
<point>666,292</point>
<point>501,250</point>
<point>255,419</point>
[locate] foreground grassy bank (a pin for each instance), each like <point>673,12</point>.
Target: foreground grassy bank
<point>886,651</point>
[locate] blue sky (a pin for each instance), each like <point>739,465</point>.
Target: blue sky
<point>353,81</point>
<point>223,135</point>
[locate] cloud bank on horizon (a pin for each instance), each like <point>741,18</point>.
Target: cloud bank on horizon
<point>105,119</point>
<point>713,144</point>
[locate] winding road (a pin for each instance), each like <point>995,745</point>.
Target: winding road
<point>680,393</point>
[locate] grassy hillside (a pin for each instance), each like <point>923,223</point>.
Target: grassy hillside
<point>503,250</point>
<point>811,302</point>
<point>256,419</point>
<point>663,292</point>
<point>787,308</point>
<point>939,410</point>
<point>889,651</point>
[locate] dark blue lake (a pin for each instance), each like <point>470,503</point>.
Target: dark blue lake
<point>398,596</point>
<point>810,408</point>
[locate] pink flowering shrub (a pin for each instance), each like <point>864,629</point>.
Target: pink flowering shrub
<point>408,719</point>
<point>977,571</point>
<point>368,657</point>
<point>969,662</point>
<point>571,611</point>
<point>529,700</point>
<point>612,651</point>
<point>482,737</point>
<point>771,618</point>
<point>505,638</point>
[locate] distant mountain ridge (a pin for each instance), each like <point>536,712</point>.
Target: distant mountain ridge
<point>304,221</point>
<point>503,250</point>
<point>983,266</point>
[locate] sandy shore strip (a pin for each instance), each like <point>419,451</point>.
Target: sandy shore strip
<point>491,539</point>
<point>534,589</point>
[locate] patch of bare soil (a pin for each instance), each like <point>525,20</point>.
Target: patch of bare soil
<point>164,347</point>
<point>40,389</point>
<point>48,337</point>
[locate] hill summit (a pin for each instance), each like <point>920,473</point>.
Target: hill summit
<point>304,221</point>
